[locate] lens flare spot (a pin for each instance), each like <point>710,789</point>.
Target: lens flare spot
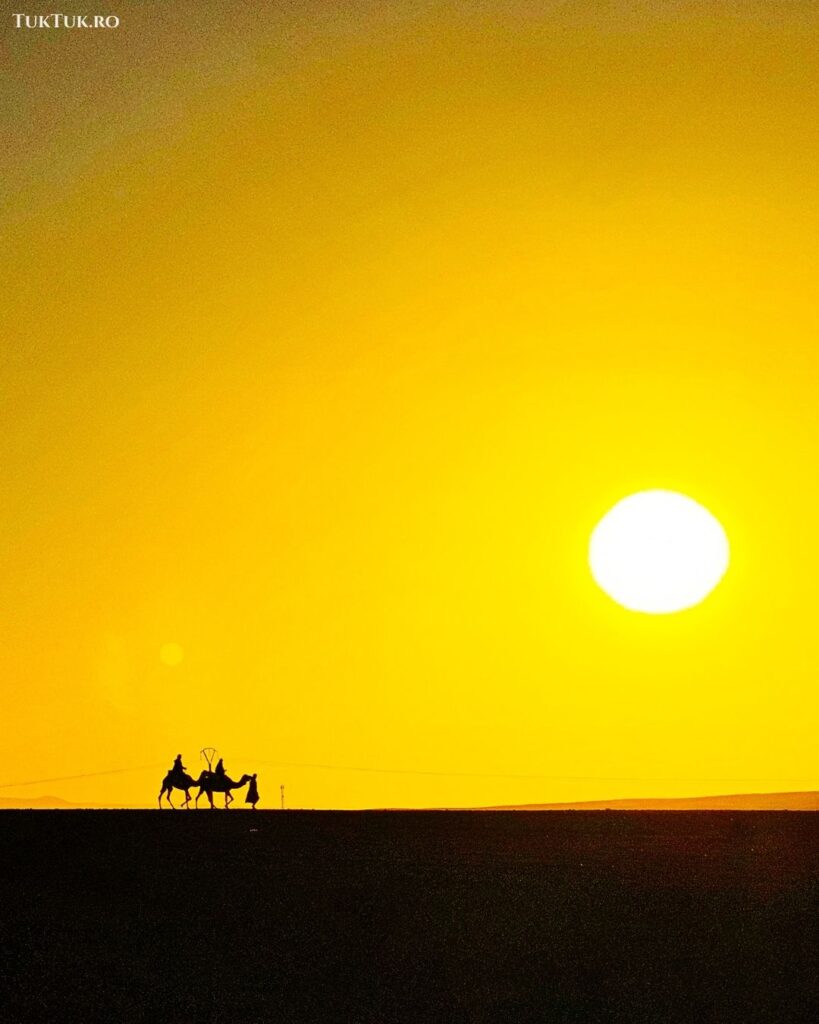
<point>171,654</point>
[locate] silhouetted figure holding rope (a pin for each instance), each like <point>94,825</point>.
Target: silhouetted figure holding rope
<point>252,796</point>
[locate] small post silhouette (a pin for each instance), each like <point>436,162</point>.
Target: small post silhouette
<point>281,789</point>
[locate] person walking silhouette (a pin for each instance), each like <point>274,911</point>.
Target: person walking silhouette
<point>252,796</point>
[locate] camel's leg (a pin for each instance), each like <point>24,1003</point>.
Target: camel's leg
<point>228,800</point>
<point>159,798</point>
<point>169,799</point>
<point>186,804</point>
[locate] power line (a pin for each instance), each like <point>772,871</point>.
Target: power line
<point>422,772</point>
<point>83,775</point>
<point>506,775</point>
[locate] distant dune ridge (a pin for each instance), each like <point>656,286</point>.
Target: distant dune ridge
<point>734,802</point>
<point>51,803</point>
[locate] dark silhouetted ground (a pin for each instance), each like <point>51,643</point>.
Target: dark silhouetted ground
<point>371,918</point>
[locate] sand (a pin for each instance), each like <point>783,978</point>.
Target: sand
<point>371,918</point>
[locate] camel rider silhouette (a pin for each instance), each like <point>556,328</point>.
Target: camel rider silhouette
<point>219,770</point>
<point>178,769</point>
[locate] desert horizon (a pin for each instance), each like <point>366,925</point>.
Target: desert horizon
<point>800,800</point>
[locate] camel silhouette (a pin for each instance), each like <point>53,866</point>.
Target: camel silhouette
<point>177,780</point>
<point>208,783</point>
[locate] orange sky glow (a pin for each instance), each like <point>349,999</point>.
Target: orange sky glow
<point>329,336</point>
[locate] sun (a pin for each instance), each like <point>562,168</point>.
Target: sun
<point>658,552</point>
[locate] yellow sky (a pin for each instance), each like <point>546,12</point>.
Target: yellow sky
<point>328,338</point>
